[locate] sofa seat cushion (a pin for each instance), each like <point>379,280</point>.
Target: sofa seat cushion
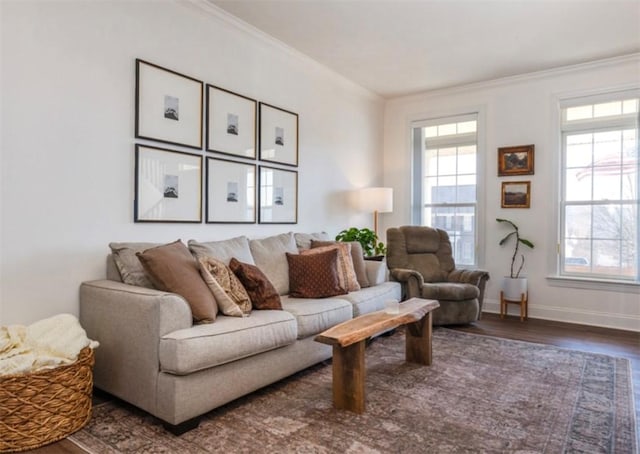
<point>316,315</point>
<point>372,299</point>
<point>228,339</point>
<point>450,291</point>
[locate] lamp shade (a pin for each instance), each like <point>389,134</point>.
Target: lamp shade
<point>376,199</point>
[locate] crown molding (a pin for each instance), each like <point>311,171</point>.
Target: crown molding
<point>211,10</point>
<point>519,78</point>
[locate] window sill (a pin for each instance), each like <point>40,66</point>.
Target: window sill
<point>594,284</point>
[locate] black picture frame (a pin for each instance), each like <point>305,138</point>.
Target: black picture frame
<point>168,106</point>
<point>231,192</point>
<point>278,135</point>
<point>278,195</point>
<point>231,123</point>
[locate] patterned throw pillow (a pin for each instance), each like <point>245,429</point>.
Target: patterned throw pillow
<point>314,275</point>
<point>129,267</point>
<point>261,291</point>
<point>357,259</point>
<point>172,268</point>
<point>346,273</point>
<point>229,293</point>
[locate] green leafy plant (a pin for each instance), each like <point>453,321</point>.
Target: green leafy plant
<point>519,240</point>
<point>366,237</point>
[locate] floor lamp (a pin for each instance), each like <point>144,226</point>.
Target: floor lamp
<point>378,200</point>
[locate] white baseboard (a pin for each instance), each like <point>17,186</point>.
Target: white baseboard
<point>563,314</point>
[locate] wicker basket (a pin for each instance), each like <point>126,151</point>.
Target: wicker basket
<point>42,407</point>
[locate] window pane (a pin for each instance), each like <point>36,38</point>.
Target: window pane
<point>428,189</point>
<point>630,106</point>
<point>466,189</point>
<point>578,184</point>
<point>447,161</point>
<point>629,239</point>
<point>466,127</point>
<point>607,109</point>
<point>577,221</point>
<point>606,257</point>
<point>467,159</point>
<point>579,150</point>
<point>606,222</point>
<point>606,183</point>
<point>430,162</point>
<point>579,113</point>
<point>431,131</point>
<point>577,256</point>
<point>447,130</point>
<point>607,147</point>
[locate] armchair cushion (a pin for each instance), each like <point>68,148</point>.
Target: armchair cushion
<point>450,291</point>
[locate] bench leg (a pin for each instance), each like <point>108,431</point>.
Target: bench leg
<point>418,341</point>
<point>348,377</point>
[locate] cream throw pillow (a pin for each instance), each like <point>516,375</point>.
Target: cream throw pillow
<point>231,296</point>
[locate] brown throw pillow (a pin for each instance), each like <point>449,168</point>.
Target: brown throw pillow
<point>229,293</point>
<point>314,275</point>
<point>357,259</point>
<point>172,268</point>
<point>261,291</point>
<point>346,274</point>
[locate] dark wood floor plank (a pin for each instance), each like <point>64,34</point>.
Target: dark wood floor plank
<point>612,342</point>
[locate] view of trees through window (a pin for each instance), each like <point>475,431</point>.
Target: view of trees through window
<point>599,206</point>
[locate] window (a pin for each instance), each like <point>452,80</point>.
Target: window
<point>599,216</point>
<point>445,174</point>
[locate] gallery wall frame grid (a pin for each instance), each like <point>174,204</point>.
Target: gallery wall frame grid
<point>231,192</point>
<point>168,185</point>
<point>516,194</point>
<point>168,106</point>
<point>231,123</point>
<point>518,160</point>
<point>278,134</point>
<point>278,189</point>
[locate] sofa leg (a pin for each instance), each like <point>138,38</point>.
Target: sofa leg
<point>183,427</point>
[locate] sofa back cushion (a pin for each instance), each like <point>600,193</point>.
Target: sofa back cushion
<point>314,275</point>
<point>172,268</point>
<point>269,255</point>
<point>230,295</point>
<point>303,240</point>
<point>224,250</point>
<point>261,291</point>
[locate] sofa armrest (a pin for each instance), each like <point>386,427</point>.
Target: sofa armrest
<point>376,271</point>
<point>128,322</point>
<point>478,278</point>
<point>412,281</point>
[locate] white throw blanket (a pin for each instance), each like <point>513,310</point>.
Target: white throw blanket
<point>44,344</point>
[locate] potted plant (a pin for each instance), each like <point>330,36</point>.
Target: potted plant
<point>371,247</point>
<point>513,285</point>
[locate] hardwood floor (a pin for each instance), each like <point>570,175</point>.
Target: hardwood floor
<point>577,337</point>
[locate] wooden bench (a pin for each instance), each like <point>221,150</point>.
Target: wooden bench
<point>349,339</point>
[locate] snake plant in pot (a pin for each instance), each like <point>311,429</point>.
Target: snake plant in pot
<point>514,285</point>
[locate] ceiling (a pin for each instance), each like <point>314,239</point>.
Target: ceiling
<point>397,47</point>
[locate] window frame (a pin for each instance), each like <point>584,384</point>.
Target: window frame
<point>559,277</point>
<point>417,205</point>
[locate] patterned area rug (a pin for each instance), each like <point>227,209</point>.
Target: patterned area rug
<point>481,394</point>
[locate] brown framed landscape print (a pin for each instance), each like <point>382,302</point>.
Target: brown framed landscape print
<point>515,160</point>
<point>516,194</point>
<point>168,106</point>
<point>168,186</point>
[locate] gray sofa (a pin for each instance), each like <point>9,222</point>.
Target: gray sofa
<point>152,355</point>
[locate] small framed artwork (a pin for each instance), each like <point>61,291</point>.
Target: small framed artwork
<point>278,196</point>
<point>168,106</point>
<point>168,186</point>
<point>278,135</point>
<point>515,160</point>
<point>231,192</point>
<point>516,194</point>
<point>231,123</point>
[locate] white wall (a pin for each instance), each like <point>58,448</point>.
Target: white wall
<point>68,124</point>
<point>517,111</point>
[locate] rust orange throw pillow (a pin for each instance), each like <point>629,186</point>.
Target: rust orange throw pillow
<point>261,291</point>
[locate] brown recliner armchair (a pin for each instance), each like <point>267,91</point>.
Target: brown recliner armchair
<point>421,259</point>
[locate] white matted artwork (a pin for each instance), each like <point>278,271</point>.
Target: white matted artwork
<point>231,192</point>
<point>168,186</point>
<point>231,123</point>
<point>168,106</point>
<point>278,135</point>
<point>278,196</point>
